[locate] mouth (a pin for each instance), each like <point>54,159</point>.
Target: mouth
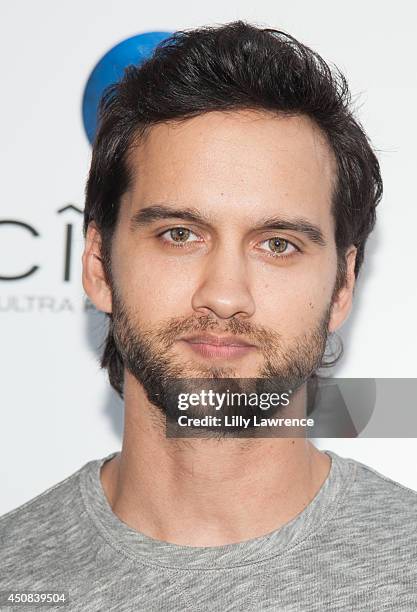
<point>226,347</point>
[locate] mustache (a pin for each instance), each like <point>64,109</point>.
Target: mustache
<point>236,327</point>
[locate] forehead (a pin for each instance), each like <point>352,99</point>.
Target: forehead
<point>245,163</point>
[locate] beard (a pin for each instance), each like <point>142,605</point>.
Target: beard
<point>147,354</point>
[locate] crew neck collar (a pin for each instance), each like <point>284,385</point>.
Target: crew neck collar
<point>149,551</point>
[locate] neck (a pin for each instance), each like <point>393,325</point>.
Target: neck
<point>206,492</point>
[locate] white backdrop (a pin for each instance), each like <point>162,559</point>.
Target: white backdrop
<point>57,409</point>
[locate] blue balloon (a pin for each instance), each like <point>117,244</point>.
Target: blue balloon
<point>110,69</point>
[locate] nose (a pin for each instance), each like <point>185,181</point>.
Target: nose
<point>223,289</point>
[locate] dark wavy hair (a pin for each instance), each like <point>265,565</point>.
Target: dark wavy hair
<point>234,66</point>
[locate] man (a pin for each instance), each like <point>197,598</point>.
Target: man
<point>229,200</point>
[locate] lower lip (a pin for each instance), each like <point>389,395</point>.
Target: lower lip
<point>224,352</point>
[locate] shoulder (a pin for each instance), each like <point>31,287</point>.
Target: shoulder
<point>45,524</point>
<point>378,511</point>
<point>39,509</point>
<point>371,485</point>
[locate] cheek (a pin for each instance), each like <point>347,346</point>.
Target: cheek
<point>151,289</point>
<point>293,299</point>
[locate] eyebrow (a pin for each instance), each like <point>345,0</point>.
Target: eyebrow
<point>156,212</point>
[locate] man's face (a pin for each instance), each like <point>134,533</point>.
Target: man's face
<point>227,231</point>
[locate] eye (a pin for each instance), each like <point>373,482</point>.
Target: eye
<point>280,247</point>
<point>178,236</point>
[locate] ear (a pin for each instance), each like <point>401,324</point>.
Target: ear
<point>93,277</point>
<point>342,301</point>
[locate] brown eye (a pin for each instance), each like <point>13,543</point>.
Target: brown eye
<point>178,237</point>
<point>179,234</point>
<point>278,245</point>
